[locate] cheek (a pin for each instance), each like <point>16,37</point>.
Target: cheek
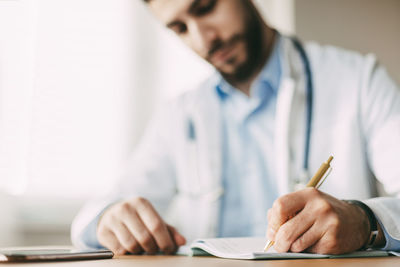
<point>241,53</point>
<point>188,42</point>
<point>202,53</point>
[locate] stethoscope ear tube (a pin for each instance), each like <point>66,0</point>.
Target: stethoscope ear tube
<point>309,99</point>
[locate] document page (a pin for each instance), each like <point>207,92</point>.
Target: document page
<point>244,248</point>
<point>252,248</point>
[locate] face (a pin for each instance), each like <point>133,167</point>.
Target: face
<point>226,33</point>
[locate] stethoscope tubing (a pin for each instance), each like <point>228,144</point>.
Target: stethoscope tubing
<point>309,98</point>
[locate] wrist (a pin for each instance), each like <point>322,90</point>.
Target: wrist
<point>380,240</point>
<point>374,236</point>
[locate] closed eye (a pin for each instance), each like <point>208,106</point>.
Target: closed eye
<point>177,27</point>
<point>201,8</point>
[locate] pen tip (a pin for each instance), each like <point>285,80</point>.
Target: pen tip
<point>330,159</point>
<point>268,246</point>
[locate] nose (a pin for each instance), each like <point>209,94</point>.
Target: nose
<point>202,36</point>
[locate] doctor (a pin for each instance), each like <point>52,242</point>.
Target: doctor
<point>218,159</point>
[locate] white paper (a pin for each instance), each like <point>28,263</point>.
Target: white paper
<point>253,248</point>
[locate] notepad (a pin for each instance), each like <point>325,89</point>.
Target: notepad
<point>251,248</point>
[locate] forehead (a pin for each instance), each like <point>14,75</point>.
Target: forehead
<point>167,10</point>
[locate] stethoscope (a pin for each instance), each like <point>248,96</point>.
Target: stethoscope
<point>301,181</point>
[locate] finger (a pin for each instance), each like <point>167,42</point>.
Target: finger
<point>109,240</point>
<point>327,244</point>
<point>126,239</point>
<point>179,239</point>
<point>135,225</point>
<point>307,240</point>
<point>292,230</point>
<point>285,207</point>
<point>270,233</point>
<point>156,226</point>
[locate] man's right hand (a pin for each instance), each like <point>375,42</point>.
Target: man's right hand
<point>134,226</point>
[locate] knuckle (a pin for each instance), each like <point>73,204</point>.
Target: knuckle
<point>283,239</point>
<point>157,227</point>
<point>124,207</point>
<point>334,223</point>
<point>140,201</point>
<point>284,234</point>
<point>107,217</point>
<point>101,231</point>
<point>298,245</point>
<point>146,240</point>
<point>112,219</point>
<point>312,191</point>
<point>330,245</point>
<point>324,207</point>
<point>279,206</point>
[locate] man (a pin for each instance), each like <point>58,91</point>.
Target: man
<point>216,159</point>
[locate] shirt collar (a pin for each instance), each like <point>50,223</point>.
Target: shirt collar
<point>270,75</point>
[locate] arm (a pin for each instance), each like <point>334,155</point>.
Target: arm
<point>380,110</point>
<point>149,182</point>
<point>313,221</point>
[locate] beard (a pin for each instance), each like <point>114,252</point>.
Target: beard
<point>252,38</point>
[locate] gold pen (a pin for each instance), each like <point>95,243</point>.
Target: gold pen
<point>314,182</point>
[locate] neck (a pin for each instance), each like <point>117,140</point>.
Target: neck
<point>268,39</point>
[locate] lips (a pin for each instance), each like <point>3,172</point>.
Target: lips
<point>222,54</point>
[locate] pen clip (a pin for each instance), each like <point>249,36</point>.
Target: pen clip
<point>324,178</point>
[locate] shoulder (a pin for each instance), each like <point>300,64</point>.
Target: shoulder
<point>196,98</point>
<point>340,66</point>
<point>330,57</point>
<point>200,93</point>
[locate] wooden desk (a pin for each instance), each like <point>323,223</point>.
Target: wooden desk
<point>182,261</point>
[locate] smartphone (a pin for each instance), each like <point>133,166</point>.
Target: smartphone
<point>52,255</point>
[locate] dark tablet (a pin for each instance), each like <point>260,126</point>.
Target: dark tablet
<point>52,255</point>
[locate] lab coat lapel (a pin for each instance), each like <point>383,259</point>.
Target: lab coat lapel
<point>210,155</point>
<point>290,118</point>
<point>284,100</point>
<point>210,147</point>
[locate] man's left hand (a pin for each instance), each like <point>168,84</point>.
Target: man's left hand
<point>310,220</point>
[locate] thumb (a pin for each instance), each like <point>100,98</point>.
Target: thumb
<point>177,237</point>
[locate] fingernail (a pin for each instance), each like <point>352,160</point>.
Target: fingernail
<point>121,252</point>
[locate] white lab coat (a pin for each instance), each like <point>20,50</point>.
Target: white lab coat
<point>356,118</point>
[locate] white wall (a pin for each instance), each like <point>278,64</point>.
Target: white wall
<point>17,27</point>
<point>362,25</point>
<point>78,81</point>
<point>17,36</point>
<point>279,14</point>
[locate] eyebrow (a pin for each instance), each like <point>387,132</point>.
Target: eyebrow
<point>193,6</point>
<point>191,9</point>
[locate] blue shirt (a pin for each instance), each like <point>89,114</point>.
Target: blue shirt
<point>248,151</point>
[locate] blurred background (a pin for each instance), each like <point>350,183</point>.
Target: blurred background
<point>80,78</point>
